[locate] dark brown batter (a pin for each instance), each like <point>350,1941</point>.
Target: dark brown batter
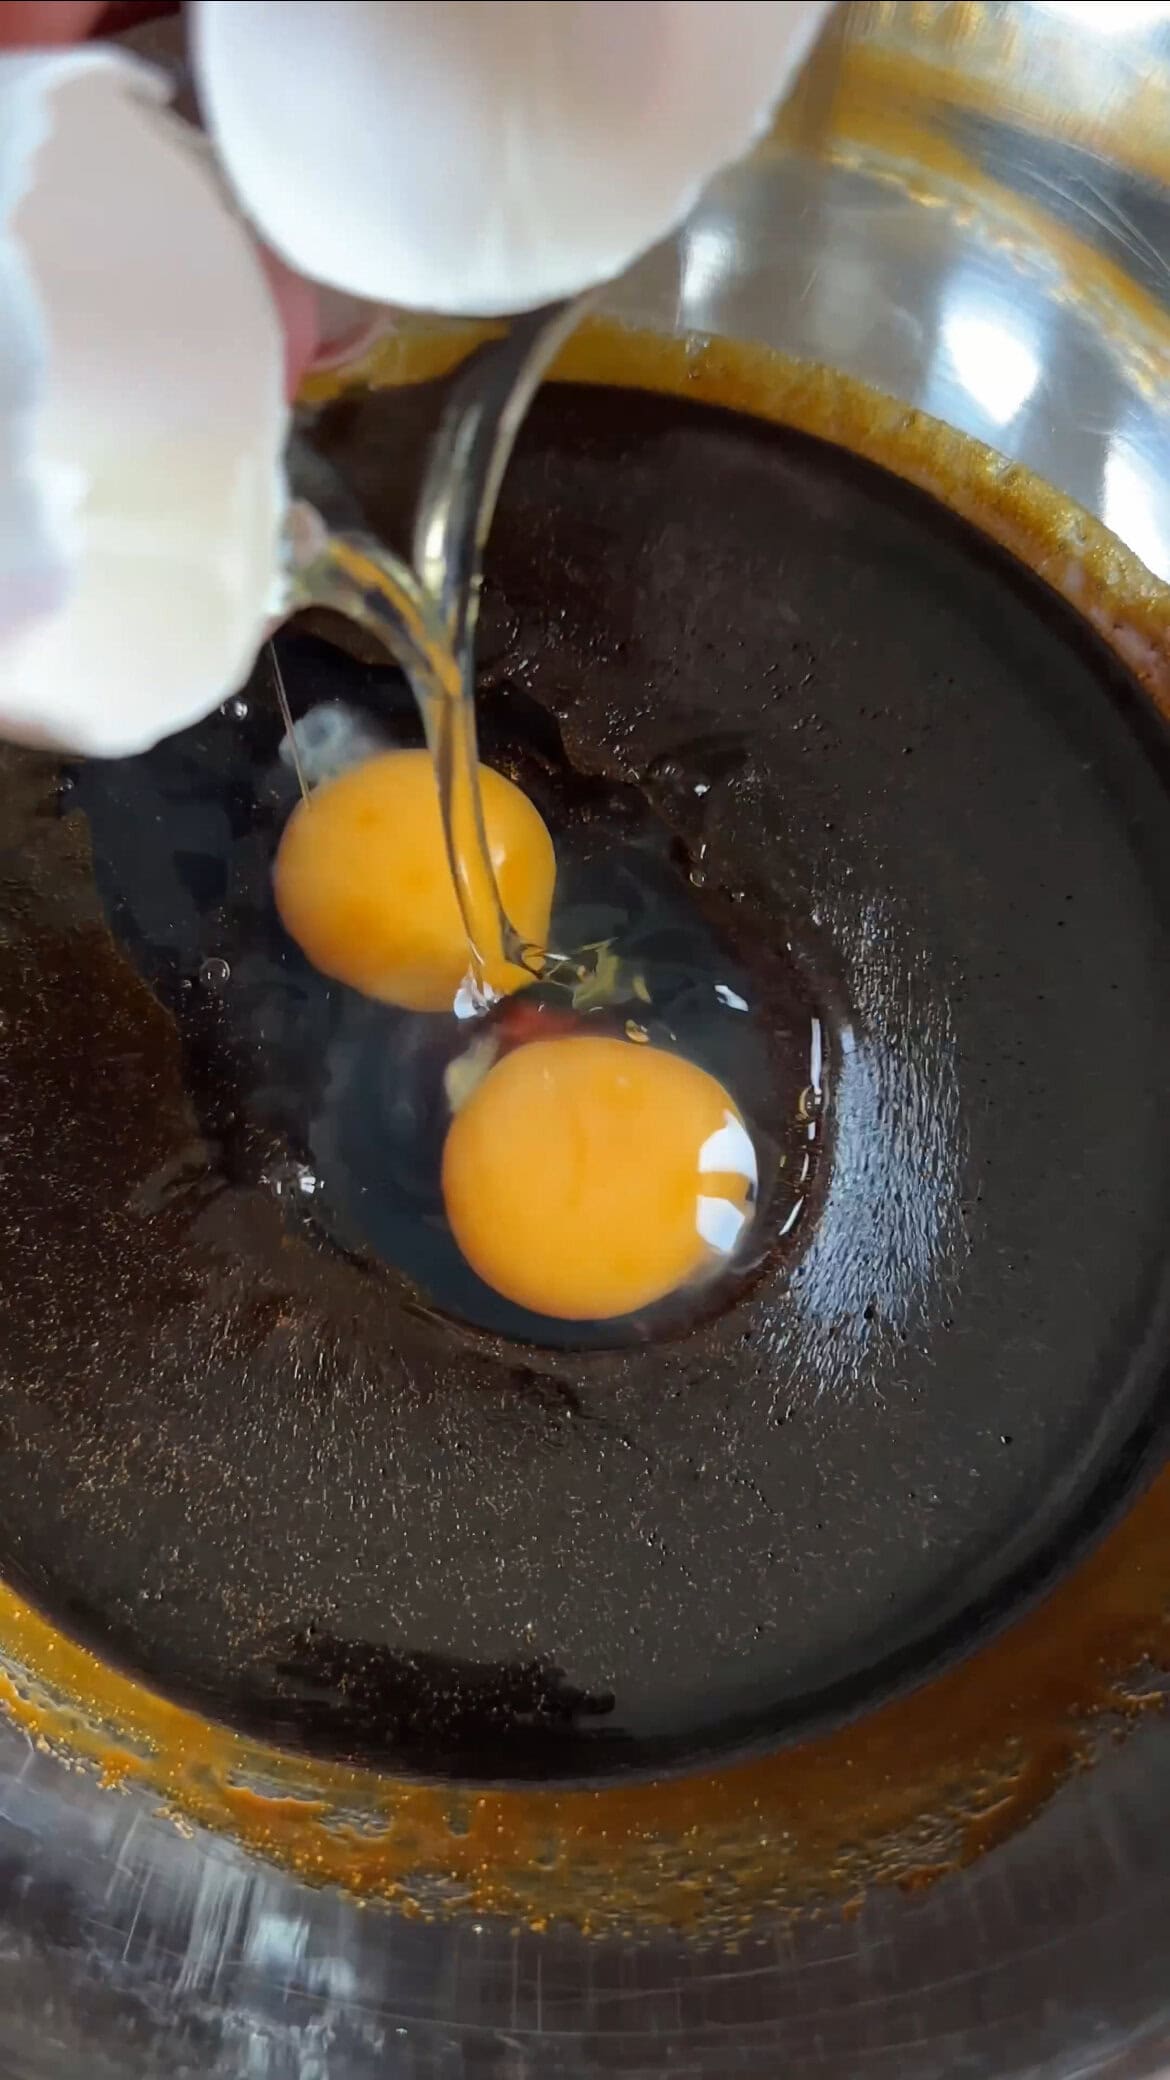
<point>280,1489</point>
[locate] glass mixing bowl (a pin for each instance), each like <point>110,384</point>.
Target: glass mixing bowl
<point>967,210</point>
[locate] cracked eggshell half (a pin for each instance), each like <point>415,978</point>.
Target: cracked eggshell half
<point>480,157</point>
<point>142,414</point>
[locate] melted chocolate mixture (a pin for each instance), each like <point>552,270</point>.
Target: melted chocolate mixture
<point>886,780</point>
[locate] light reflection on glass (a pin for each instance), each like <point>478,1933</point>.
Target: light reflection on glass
<point>995,359</point>
<point>708,261</point>
<point>1135,503</point>
<point>1109,17</point>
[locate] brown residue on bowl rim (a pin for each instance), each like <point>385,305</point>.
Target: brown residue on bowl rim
<point>918,1787</point>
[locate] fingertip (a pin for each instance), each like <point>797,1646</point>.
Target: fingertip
<point>25,22</point>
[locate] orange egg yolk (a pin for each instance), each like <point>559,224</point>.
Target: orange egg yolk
<point>587,1177</point>
<point>363,884</point>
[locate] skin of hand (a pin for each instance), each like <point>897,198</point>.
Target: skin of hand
<point>37,23</point>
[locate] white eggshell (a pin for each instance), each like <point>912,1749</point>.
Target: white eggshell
<point>484,156</point>
<point>142,417</point>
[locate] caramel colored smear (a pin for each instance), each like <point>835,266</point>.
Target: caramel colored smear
<point>917,58</point>
<point>925,1783</point>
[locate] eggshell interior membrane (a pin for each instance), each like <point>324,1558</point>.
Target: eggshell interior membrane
<point>484,156</point>
<point>142,418</point>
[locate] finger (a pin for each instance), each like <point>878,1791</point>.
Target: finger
<point>24,22</point>
<point>44,22</point>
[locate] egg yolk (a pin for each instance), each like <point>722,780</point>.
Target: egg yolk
<point>587,1177</point>
<point>363,884</point>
